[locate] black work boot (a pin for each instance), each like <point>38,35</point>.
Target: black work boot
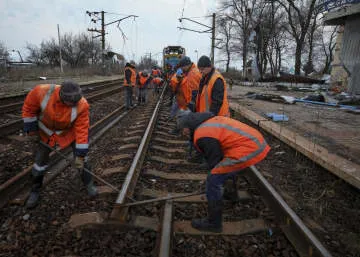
<point>231,195</point>
<point>230,192</point>
<point>213,222</point>
<point>34,196</point>
<point>86,177</point>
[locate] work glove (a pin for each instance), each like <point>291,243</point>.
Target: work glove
<point>32,136</point>
<point>79,162</point>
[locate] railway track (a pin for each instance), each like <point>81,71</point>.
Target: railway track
<point>92,92</point>
<point>139,158</point>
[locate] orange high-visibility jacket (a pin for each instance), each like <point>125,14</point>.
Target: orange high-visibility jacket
<point>157,80</point>
<point>133,77</point>
<point>193,77</point>
<point>155,73</point>
<point>57,122</point>
<point>183,94</point>
<point>142,79</point>
<point>203,101</point>
<point>241,144</point>
<point>173,82</point>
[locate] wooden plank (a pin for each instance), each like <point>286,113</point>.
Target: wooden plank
<point>128,146</point>
<point>243,196</point>
<point>176,175</point>
<point>347,170</point>
<point>167,141</point>
<point>133,132</point>
<point>173,161</point>
<point>133,138</point>
<point>119,157</point>
<point>229,228</point>
<point>167,149</point>
<point>114,170</point>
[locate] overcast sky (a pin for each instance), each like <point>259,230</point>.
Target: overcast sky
<point>156,27</point>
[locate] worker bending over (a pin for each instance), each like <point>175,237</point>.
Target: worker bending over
<point>228,146</point>
<point>57,115</point>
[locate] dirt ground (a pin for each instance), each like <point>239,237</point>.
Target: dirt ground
<point>330,127</point>
<point>12,88</point>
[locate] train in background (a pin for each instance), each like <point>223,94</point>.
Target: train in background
<point>171,57</point>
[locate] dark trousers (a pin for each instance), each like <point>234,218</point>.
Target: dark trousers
<point>41,164</point>
<point>215,185</point>
<point>142,95</point>
<point>128,96</point>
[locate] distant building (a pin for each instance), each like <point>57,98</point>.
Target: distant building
<point>115,58</point>
<point>346,63</point>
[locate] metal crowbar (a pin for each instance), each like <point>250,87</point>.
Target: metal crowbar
<point>70,161</point>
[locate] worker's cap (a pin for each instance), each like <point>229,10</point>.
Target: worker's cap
<point>204,62</point>
<point>179,72</point>
<point>144,73</point>
<point>183,118</point>
<point>132,62</point>
<point>70,92</point>
<point>184,61</point>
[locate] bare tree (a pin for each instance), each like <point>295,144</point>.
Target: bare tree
<point>313,31</point>
<point>328,45</point>
<point>241,12</point>
<point>299,14</point>
<point>35,55</point>
<point>4,54</point>
<point>225,27</point>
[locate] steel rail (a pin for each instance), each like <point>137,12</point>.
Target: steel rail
<point>17,105</point>
<point>304,241</point>
<point>120,213</point>
<point>13,126</point>
<point>20,181</point>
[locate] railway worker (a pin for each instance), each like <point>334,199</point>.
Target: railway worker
<point>57,115</point>
<point>155,72</point>
<point>143,80</point>
<point>193,77</point>
<point>212,95</point>
<point>229,146</point>
<point>157,82</point>
<point>180,101</point>
<point>129,83</point>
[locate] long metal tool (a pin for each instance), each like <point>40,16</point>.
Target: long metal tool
<point>165,198</point>
<point>70,161</point>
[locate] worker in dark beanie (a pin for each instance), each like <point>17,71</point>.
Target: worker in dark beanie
<point>212,95</point>
<point>192,77</point>
<point>229,146</point>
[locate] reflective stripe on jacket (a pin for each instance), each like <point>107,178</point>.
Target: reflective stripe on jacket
<point>203,101</point>
<point>242,145</point>
<point>157,80</point>
<point>133,77</point>
<point>58,123</point>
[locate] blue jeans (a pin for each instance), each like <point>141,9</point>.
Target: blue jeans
<point>215,185</point>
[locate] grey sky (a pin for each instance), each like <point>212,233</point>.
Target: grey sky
<point>156,27</point>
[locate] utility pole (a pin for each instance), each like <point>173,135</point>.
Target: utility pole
<point>209,30</point>
<point>213,40</point>
<point>61,66</point>
<point>102,33</point>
